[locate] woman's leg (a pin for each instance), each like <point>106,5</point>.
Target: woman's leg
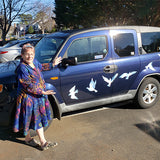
<point>44,144</point>
<point>40,133</point>
<point>28,137</point>
<point>30,141</point>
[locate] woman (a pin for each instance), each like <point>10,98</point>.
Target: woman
<point>33,110</point>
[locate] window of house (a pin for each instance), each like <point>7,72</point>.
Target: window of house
<point>124,44</point>
<point>151,42</point>
<point>88,49</point>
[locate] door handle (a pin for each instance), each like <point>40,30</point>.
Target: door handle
<point>110,68</point>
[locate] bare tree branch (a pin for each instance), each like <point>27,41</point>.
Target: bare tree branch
<point>9,11</point>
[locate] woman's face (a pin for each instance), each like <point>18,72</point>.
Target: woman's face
<point>28,56</point>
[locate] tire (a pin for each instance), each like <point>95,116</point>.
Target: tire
<point>148,93</point>
<point>4,97</point>
<point>34,133</point>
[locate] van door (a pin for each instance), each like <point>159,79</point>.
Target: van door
<point>84,82</point>
<point>125,57</point>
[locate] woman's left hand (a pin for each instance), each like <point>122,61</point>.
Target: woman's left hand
<point>57,61</point>
<point>48,92</point>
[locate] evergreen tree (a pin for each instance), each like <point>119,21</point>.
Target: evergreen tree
<point>30,30</point>
<point>89,13</point>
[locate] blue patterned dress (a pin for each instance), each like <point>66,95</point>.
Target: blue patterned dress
<point>32,110</point>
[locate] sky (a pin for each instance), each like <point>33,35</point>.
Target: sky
<point>48,2</point>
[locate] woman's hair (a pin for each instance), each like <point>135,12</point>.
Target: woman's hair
<point>26,47</point>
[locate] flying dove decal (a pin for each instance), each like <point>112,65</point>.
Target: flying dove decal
<point>72,92</point>
<point>92,86</point>
<point>110,81</point>
<point>127,75</point>
<point>149,66</point>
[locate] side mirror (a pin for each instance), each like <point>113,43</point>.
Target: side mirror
<point>69,61</point>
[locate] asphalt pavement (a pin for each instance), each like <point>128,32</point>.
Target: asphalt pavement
<point>119,133</point>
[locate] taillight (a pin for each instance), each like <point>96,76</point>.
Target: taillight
<point>1,88</point>
<point>3,52</point>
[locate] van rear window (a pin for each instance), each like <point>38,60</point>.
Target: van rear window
<point>151,42</point>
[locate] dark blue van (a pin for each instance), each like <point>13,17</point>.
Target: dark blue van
<point>100,66</point>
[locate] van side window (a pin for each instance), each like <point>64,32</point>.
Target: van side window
<point>151,42</point>
<point>88,49</point>
<point>124,44</point>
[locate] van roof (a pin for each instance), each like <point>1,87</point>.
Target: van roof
<point>141,29</point>
<point>137,28</point>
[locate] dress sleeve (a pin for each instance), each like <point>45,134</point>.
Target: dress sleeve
<point>29,84</point>
<point>45,66</point>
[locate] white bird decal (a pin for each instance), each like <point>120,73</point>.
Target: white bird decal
<point>149,66</point>
<point>158,54</point>
<point>110,81</point>
<point>127,75</point>
<point>72,92</point>
<point>92,86</point>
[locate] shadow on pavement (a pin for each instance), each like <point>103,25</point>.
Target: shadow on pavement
<point>6,133</point>
<point>152,129</point>
<point>122,105</point>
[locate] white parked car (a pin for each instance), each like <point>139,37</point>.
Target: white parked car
<point>12,50</point>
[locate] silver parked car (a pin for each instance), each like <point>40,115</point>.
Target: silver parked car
<point>12,50</point>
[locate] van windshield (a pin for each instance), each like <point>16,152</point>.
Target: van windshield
<point>47,48</point>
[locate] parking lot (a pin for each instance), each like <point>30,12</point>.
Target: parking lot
<point>119,133</point>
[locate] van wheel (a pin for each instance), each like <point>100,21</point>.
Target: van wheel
<point>34,133</point>
<point>148,93</point>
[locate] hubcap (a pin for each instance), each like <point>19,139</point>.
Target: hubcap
<point>150,93</point>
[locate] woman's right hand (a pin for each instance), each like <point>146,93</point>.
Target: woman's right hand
<point>48,92</point>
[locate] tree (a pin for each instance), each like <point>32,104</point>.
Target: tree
<point>150,14</point>
<point>25,18</point>
<point>89,13</point>
<point>44,18</point>
<point>10,10</point>
<point>31,30</point>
